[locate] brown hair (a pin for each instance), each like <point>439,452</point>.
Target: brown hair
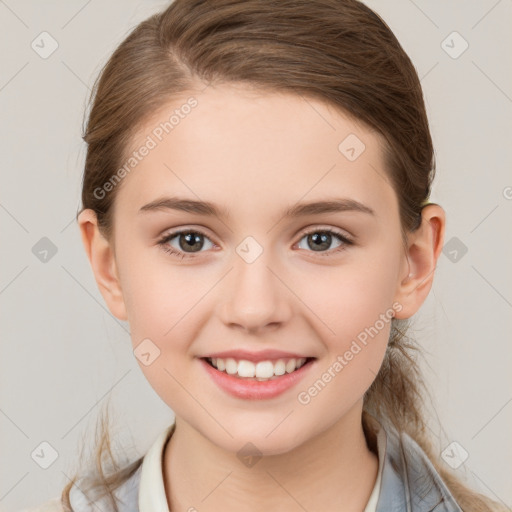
<point>337,51</point>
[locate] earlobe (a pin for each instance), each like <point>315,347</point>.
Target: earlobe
<point>423,250</point>
<point>103,264</point>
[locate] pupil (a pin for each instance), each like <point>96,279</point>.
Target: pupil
<point>191,239</point>
<point>322,241</point>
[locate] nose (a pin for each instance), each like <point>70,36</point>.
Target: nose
<point>257,296</point>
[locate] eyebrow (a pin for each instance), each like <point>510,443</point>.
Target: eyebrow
<point>299,210</point>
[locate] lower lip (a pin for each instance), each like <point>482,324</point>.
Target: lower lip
<point>253,389</point>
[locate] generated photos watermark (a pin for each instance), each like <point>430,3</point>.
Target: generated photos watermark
<point>342,360</point>
<point>151,142</point>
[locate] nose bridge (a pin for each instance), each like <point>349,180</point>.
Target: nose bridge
<point>255,297</point>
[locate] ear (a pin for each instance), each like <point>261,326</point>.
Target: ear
<point>423,249</point>
<point>102,259</point>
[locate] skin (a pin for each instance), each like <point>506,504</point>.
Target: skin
<point>255,154</point>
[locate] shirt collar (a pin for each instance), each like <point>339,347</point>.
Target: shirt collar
<point>151,487</point>
<point>381,449</point>
<point>410,482</point>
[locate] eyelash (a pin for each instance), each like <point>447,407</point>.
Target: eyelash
<point>163,242</point>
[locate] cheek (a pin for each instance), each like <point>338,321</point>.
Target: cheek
<point>164,305</point>
<point>159,297</point>
<point>350,298</point>
<point>353,309</point>
<point>356,318</point>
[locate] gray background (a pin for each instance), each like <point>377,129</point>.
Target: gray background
<point>64,355</point>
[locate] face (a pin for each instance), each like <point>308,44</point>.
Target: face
<point>317,283</point>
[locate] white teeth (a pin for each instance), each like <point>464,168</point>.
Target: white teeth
<point>231,366</point>
<point>263,370</point>
<point>247,369</point>
<point>280,367</point>
<point>290,366</point>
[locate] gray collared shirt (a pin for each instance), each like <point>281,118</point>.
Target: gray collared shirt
<point>408,481</point>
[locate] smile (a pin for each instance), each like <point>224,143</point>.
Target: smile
<point>260,371</point>
<point>260,380</point>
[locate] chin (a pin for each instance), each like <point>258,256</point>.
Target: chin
<point>260,437</point>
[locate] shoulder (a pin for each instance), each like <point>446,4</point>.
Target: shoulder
<point>53,505</point>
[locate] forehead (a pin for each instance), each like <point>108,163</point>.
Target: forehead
<point>243,148</point>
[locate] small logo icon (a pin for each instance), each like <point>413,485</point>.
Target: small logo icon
<point>249,249</point>
<point>44,455</point>
<point>351,147</point>
<point>44,45</point>
<point>454,45</point>
<point>454,455</point>
<point>249,455</point>
<point>44,250</point>
<point>454,249</point>
<point>146,352</point>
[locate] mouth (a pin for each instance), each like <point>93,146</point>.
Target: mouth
<point>260,371</point>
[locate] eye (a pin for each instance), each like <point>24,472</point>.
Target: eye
<point>320,239</point>
<point>186,240</point>
<point>185,243</point>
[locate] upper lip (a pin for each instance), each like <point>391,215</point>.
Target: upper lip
<point>263,355</point>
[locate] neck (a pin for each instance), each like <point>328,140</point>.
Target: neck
<point>333,471</point>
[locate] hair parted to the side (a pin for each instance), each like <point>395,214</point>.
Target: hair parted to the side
<point>336,51</point>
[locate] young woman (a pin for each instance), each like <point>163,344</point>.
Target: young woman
<point>256,206</point>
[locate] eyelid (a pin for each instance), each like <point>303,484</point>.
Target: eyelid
<point>172,232</point>
<point>319,227</point>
